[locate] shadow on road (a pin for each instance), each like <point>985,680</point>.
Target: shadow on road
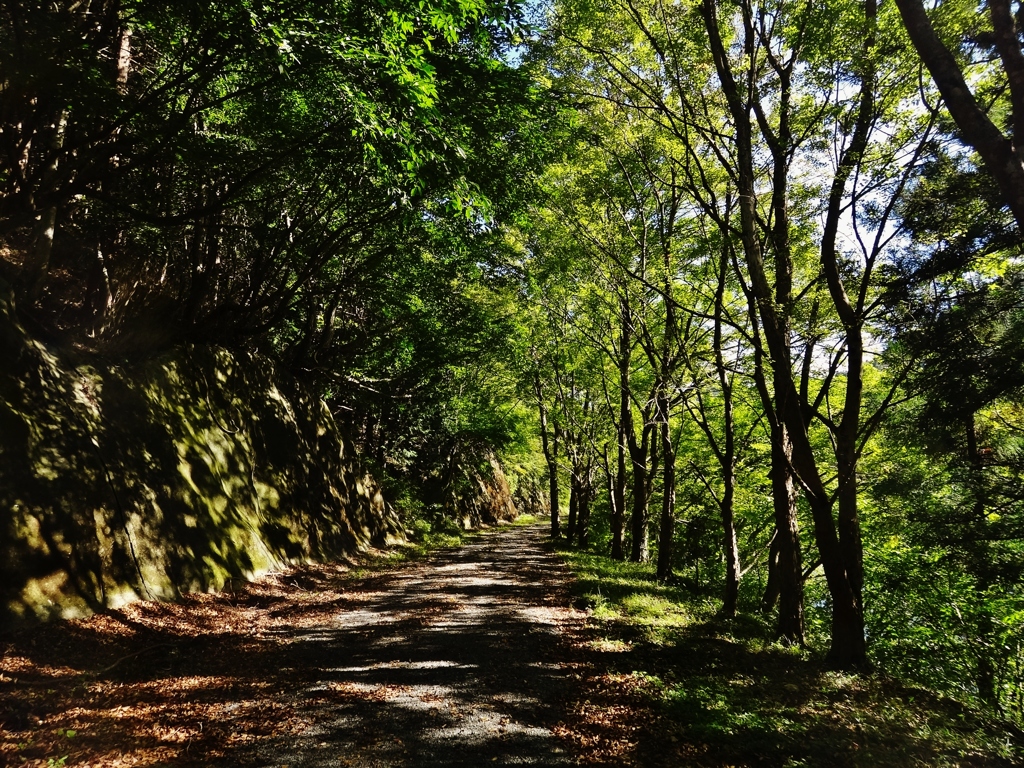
<point>453,660</point>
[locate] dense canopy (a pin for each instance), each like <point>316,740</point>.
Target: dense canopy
<point>735,286</point>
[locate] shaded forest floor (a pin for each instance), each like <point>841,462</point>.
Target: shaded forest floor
<point>482,654</point>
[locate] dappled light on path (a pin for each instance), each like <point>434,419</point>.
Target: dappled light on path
<point>452,660</point>
<point>442,669</point>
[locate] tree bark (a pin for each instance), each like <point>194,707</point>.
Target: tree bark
<point>549,444</point>
<point>625,427</point>
<point>583,509</point>
<point>666,533</point>
<point>638,455</point>
<point>789,626</point>
<point>574,505</point>
<point>619,499</point>
<point>726,453</point>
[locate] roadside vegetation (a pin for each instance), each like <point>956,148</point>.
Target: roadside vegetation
<point>675,683</point>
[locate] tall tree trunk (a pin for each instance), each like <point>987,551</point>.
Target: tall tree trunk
<point>785,578</point>
<point>638,550</point>
<point>618,499</point>
<point>642,476</point>
<point>549,444</point>
<point>124,59</point>
<point>666,534</point>
<point>731,548</point>
<point>789,627</point>
<point>553,484</point>
<point>574,505</point>
<point>625,426</point>
<point>786,544</point>
<point>726,450</point>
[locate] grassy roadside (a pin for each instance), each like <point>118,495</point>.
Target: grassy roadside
<point>674,685</point>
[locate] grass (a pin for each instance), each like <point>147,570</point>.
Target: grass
<point>714,692</point>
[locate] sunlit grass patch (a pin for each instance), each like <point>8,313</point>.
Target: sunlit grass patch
<point>628,592</point>
<point>609,645</point>
<point>652,608</point>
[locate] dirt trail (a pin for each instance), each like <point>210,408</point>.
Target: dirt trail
<point>453,660</point>
<point>455,663</point>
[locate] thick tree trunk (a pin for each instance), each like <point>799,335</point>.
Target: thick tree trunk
<point>789,627</point>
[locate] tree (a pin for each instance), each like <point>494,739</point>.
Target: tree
<point>1001,149</point>
<point>957,313</point>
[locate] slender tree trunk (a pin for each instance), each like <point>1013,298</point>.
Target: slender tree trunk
<point>731,548</point>
<point>725,450</point>
<point>667,528</point>
<point>36,268</point>
<point>638,551</point>
<point>638,454</point>
<point>583,511</point>
<point>785,562</point>
<point>549,444</point>
<point>574,505</point>
<point>625,427</point>
<point>124,59</point>
<point>618,500</point>
<point>553,485</point>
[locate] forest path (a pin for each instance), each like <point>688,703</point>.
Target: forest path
<point>455,659</point>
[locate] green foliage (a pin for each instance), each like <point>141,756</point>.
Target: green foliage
<point>328,183</point>
<point>721,688</point>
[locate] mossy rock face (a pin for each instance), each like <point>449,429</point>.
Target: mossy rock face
<point>175,475</point>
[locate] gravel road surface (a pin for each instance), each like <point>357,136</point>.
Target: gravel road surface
<point>450,661</point>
